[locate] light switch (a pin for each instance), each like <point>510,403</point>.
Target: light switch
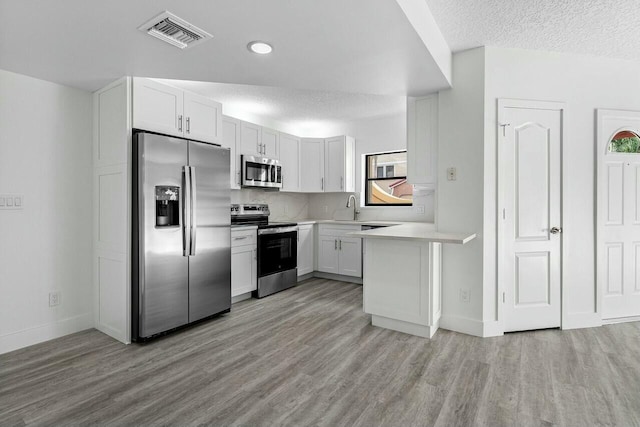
<point>17,201</point>
<point>2,202</point>
<point>9,202</point>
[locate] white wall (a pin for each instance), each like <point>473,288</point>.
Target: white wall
<point>460,202</point>
<point>585,83</point>
<point>45,154</point>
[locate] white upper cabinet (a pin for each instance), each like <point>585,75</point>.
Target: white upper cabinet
<point>157,107</point>
<point>250,139</point>
<point>164,109</point>
<point>231,140</point>
<point>270,143</point>
<point>311,165</point>
<point>339,165</point>
<point>290,161</point>
<point>422,139</point>
<point>203,118</point>
<point>327,165</point>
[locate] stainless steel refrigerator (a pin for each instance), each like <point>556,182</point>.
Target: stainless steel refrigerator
<point>181,269</point>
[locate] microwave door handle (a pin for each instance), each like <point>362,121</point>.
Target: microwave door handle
<point>186,211</point>
<point>194,218</point>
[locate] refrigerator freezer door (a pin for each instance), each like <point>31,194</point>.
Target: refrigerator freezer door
<point>210,267</point>
<point>163,270</point>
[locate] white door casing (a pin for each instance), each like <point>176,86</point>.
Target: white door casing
<point>618,219</point>
<point>530,138</point>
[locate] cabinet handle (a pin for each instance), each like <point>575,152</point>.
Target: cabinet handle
<point>255,254</point>
<point>335,245</point>
<point>188,126</point>
<point>240,238</point>
<point>340,244</point>
<point>342,183</point>
<point>180,122</point>
<point>322,183</point>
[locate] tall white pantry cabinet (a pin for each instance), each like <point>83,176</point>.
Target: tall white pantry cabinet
<point>118,108</point>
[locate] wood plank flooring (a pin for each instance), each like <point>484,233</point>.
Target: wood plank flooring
<point>309,356</point>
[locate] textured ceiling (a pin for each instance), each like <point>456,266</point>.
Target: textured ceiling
<point>301,112</point>
<point>358,46</point>
<point>597,27</point>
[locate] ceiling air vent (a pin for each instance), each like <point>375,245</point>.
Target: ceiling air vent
<point>173,30</point>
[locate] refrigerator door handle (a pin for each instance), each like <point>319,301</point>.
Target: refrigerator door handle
<point>186,211</point>
<point>194,219</point>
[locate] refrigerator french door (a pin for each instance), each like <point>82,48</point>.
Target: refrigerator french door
<point>181,270</point>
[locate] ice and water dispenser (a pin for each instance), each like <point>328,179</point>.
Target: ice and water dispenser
<point>167,206</point>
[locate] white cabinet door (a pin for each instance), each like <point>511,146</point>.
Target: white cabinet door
<point>157,107</point>
<point>350,258</point>
<point>290,162</point>
<point>270,143</point>
<point>231,139</point>
<point>305,249</point>
<point>334,164</point>
<point>311,165</point>
<point>328,254</point>
<point>250,139</point>
<point>422,139</point>
<point>202,118</point>
<point>244,266</point>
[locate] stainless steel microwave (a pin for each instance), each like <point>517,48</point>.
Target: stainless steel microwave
<point>261,172</point>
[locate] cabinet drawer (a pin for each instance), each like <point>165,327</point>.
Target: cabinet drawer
<point>336,230</point>
<point>243,237</point>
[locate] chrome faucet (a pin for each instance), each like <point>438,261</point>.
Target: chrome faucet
<point>355,206</point>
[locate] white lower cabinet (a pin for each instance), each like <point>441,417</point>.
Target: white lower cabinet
<point>244,262</point>
<point>305,249</point>
<point>328,254</point>
<point>337,253</point>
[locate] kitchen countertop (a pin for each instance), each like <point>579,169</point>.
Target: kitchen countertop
<point>415,231</point>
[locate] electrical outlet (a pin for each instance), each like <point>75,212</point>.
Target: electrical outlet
<point>452,174</point>
<point>325,208</point>
<point>55,298</point>
<point>465,295</point>
<point>420,209</point>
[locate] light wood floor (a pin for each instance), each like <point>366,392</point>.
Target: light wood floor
<point>309,356</point>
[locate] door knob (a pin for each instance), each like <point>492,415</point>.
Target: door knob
<point>555,230</point>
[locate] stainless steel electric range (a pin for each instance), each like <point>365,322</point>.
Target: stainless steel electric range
<point>277,248</point>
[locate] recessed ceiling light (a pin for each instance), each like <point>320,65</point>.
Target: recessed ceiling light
<point>260,47</point>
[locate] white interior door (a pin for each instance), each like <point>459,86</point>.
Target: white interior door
<point>618,249</point>
<point>530,142</point>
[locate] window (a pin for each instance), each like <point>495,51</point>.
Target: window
<point>625,141</point>
<point>386,180</point>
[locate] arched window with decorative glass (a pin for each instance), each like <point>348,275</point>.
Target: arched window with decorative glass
<point>625,141</point>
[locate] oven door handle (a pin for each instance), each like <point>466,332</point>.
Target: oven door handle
<point>277,230</point>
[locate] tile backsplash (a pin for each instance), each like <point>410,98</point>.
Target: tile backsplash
<point>299,206</point>
<point>283,206</point>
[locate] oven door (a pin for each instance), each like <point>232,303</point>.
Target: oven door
<point>277,250</point>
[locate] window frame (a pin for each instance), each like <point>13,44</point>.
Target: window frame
<point>394,178</point>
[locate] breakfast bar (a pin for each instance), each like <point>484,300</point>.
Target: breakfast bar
<point>402,276</point>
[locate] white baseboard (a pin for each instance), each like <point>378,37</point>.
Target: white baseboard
<point>46,332</point>
<point>463,325</point>
<point>620,320</point>
<point>241,297</point>
<point>581,320</point>
<point>338,277</point>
